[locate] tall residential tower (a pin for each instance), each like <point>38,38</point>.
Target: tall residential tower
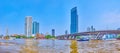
<point>74,21</point>
<point>28,26</point>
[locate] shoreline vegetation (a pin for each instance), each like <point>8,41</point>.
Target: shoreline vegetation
<point>30,37</point>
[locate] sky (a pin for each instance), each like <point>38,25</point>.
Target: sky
<point>55,14</point>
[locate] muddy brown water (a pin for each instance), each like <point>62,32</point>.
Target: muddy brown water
<point>58,46</point>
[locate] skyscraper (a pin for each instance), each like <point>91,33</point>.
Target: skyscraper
<point>74,21</point>
<point>53,32</point>
<point>66,32</point>
<point>92,29</point>
<point>28,26</point>
<point>35,28</point>
<point>88,29</point>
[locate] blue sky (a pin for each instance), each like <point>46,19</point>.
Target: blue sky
<point>102,14</point>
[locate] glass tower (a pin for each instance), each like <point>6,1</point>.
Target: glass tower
<point>53,32</point>
<point>35,28</point>
<point>74,21</point>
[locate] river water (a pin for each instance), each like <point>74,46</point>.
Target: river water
<point>58,46</point>
<point>43,46</point>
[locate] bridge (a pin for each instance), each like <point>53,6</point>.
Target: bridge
<point>94,34</point>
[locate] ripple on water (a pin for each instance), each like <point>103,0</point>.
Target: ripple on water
<point>57,46</point>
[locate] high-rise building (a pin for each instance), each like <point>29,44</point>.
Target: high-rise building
<point>66,32</point>
<point>74,21</point>
<point>92,29</point>
<point>88,29</point>
<point>35,28</point>
<point>28,26</point>
<point>53,32</point>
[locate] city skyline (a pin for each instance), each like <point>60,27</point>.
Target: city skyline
<point>50,13</point>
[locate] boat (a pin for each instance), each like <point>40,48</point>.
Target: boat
<point>83,39</point>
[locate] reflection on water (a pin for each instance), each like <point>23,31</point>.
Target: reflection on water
<point>34,46</point>
<point>99,46</point>
<point>74,46</point>
<point>30,46</point>
<point>58,46</point>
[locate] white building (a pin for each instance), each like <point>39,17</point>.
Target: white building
<point>28,26</point>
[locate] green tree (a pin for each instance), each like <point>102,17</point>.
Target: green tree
<point>23,36</point>
<point>53,37</point>
<point>31,37</point>
<point>78,37</point>
<point>48,36</point>
<point>18,36</point>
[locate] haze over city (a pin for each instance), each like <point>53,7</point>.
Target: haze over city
<point>54,14</point>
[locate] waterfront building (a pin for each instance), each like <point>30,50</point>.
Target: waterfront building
<point>66,32</point>
<point>53,32</point>
<point>40,36</point>
<point>88,29</point>
<point>35,28</point>
<point>92,29</point>
<point>74,21</point>
<point>28,26</point>
<point>109,37</point>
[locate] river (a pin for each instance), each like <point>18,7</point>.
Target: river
<point>58,46</point>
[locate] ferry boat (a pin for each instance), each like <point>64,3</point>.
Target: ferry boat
<point>84,39</point>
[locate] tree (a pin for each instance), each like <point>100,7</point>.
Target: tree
<point>24,36</point>
<point>48,36</point>
<point>31,37</point>
<point>53,37</point>
<point>18,36</point>
<point>78,37</point>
